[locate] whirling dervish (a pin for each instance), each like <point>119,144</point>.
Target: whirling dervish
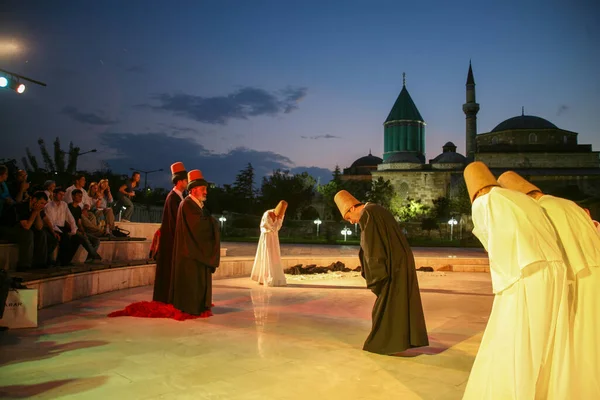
<point>268,269</point>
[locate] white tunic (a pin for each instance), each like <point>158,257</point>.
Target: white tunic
<point>525,349</point>
<point>267,268</point>
<point>581,247</point>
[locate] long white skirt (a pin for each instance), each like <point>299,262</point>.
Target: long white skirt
<point>525,350</point>
<point>267,268</point>
<point>586,334</point>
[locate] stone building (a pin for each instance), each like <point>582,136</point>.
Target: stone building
<point>535,148</point>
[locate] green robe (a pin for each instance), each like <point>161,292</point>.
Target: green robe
<point>388,266</point>
<point>196,256</point>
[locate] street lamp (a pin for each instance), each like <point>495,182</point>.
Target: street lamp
<point>222,220</point>
<point>317,222</point>
<point>90,151</point>
<point>346,232</point>
<point>145,174</point>
<point>452,222</point>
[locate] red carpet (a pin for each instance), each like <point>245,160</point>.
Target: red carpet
<point>156,309</point>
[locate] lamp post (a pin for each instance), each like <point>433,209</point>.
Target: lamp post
<point>452,222</point>
<point>222,220</point>
<point>317,222</point>
<point>346,232</point>
<point>89,151</point>
<point>145,174</point>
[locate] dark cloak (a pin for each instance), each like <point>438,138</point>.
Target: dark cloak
<point>164,257</point>
<point>196,256</point>
<point>388,266</point>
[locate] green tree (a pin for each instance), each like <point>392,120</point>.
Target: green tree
<point>337,175</point>
<point>243,188</point>
<point>381,192</point>
<point>408,209</point>
<point>459,202</point>
<point>297,189</point>
<point>441,208</point>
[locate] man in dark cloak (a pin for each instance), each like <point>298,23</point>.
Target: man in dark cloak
<point>388,266</point>
<point>197,250</point>
<point>164,257</point>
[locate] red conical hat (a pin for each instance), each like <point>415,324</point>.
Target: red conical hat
<point>177,167</point>
<point>478,176</point>
<point>513,181</point>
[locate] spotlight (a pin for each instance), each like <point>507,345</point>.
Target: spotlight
<point>16,86</point>
<point>3,81</point>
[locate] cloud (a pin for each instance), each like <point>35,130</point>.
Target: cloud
<point>321,137</point>
<point>242,104</point>
<point>150,151</point>
<point>86,118</point>
<point>562,109</point>
<point>180,130</point>
<point>136,69</point>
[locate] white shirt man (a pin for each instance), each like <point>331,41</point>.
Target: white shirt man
<point>59,215</point>
<point>79,184</point>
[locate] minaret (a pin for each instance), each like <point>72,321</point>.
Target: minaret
<point>470,108</point>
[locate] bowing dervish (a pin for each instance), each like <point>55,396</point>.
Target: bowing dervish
<point>268,269</point>
<point>197,250</point>
<point>164,256</point>
<point>525,349</point>
<point>388,266</point>
<point>580,245</point>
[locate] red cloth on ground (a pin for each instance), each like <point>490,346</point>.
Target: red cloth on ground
<point>156,309</point>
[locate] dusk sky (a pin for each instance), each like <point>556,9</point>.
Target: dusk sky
<point>298,85</point>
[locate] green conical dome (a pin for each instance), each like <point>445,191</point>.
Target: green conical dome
<point>404,109</point>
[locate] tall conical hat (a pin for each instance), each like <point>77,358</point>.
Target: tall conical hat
<point>195,179</point>
<point>281,207</point>
<point>477,176</point>
<point>344,201</point>
<point>513,181</point>
<point>178,172</point>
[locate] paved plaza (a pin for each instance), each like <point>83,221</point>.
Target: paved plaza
<point>302,341</point>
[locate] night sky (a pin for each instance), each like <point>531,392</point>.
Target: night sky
<point>298,85</point>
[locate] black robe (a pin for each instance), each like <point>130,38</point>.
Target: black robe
<point>196,255</point>
<point>388,266</point>
<point>164,256</point>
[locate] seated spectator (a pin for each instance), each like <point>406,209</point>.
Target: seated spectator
<point>49,187</point>
<point>126,192</point>
<point>6,200</point>
<point>79,183</point>
<point>19,187</point>
<point>63,227</point>
<point>90,243</point>
<point>91,224</point>
<point>29,232</point>
<point>102,199</point>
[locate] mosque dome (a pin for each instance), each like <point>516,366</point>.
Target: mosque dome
<point>524,122</point>
<point>449,155</point>
<point>367,161</point>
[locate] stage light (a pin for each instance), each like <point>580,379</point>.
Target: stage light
<point>3,81</point>
<point>16,86</point>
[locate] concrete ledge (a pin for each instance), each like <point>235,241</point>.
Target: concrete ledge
<point>139,229</point>
<point>69,287</point>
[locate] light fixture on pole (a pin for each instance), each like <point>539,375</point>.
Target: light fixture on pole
<point>13,81</point>
<point>222,220</point>
<point>145,174</point>
<point>452,222</point>
<point>317,222</point>
<point>346,232</point>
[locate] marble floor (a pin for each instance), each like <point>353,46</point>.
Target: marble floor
<point>302,341</point>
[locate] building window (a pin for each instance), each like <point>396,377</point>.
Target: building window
<point>403,190</point>
<point>495,140</point>
<point>532,138</point>
<point>565,139</point>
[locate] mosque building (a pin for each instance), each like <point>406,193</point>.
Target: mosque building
<point>534,147</point>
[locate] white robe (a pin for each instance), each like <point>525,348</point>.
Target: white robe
<point>525,350</point>
<point>581,249</point>
<point>267,268</point>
